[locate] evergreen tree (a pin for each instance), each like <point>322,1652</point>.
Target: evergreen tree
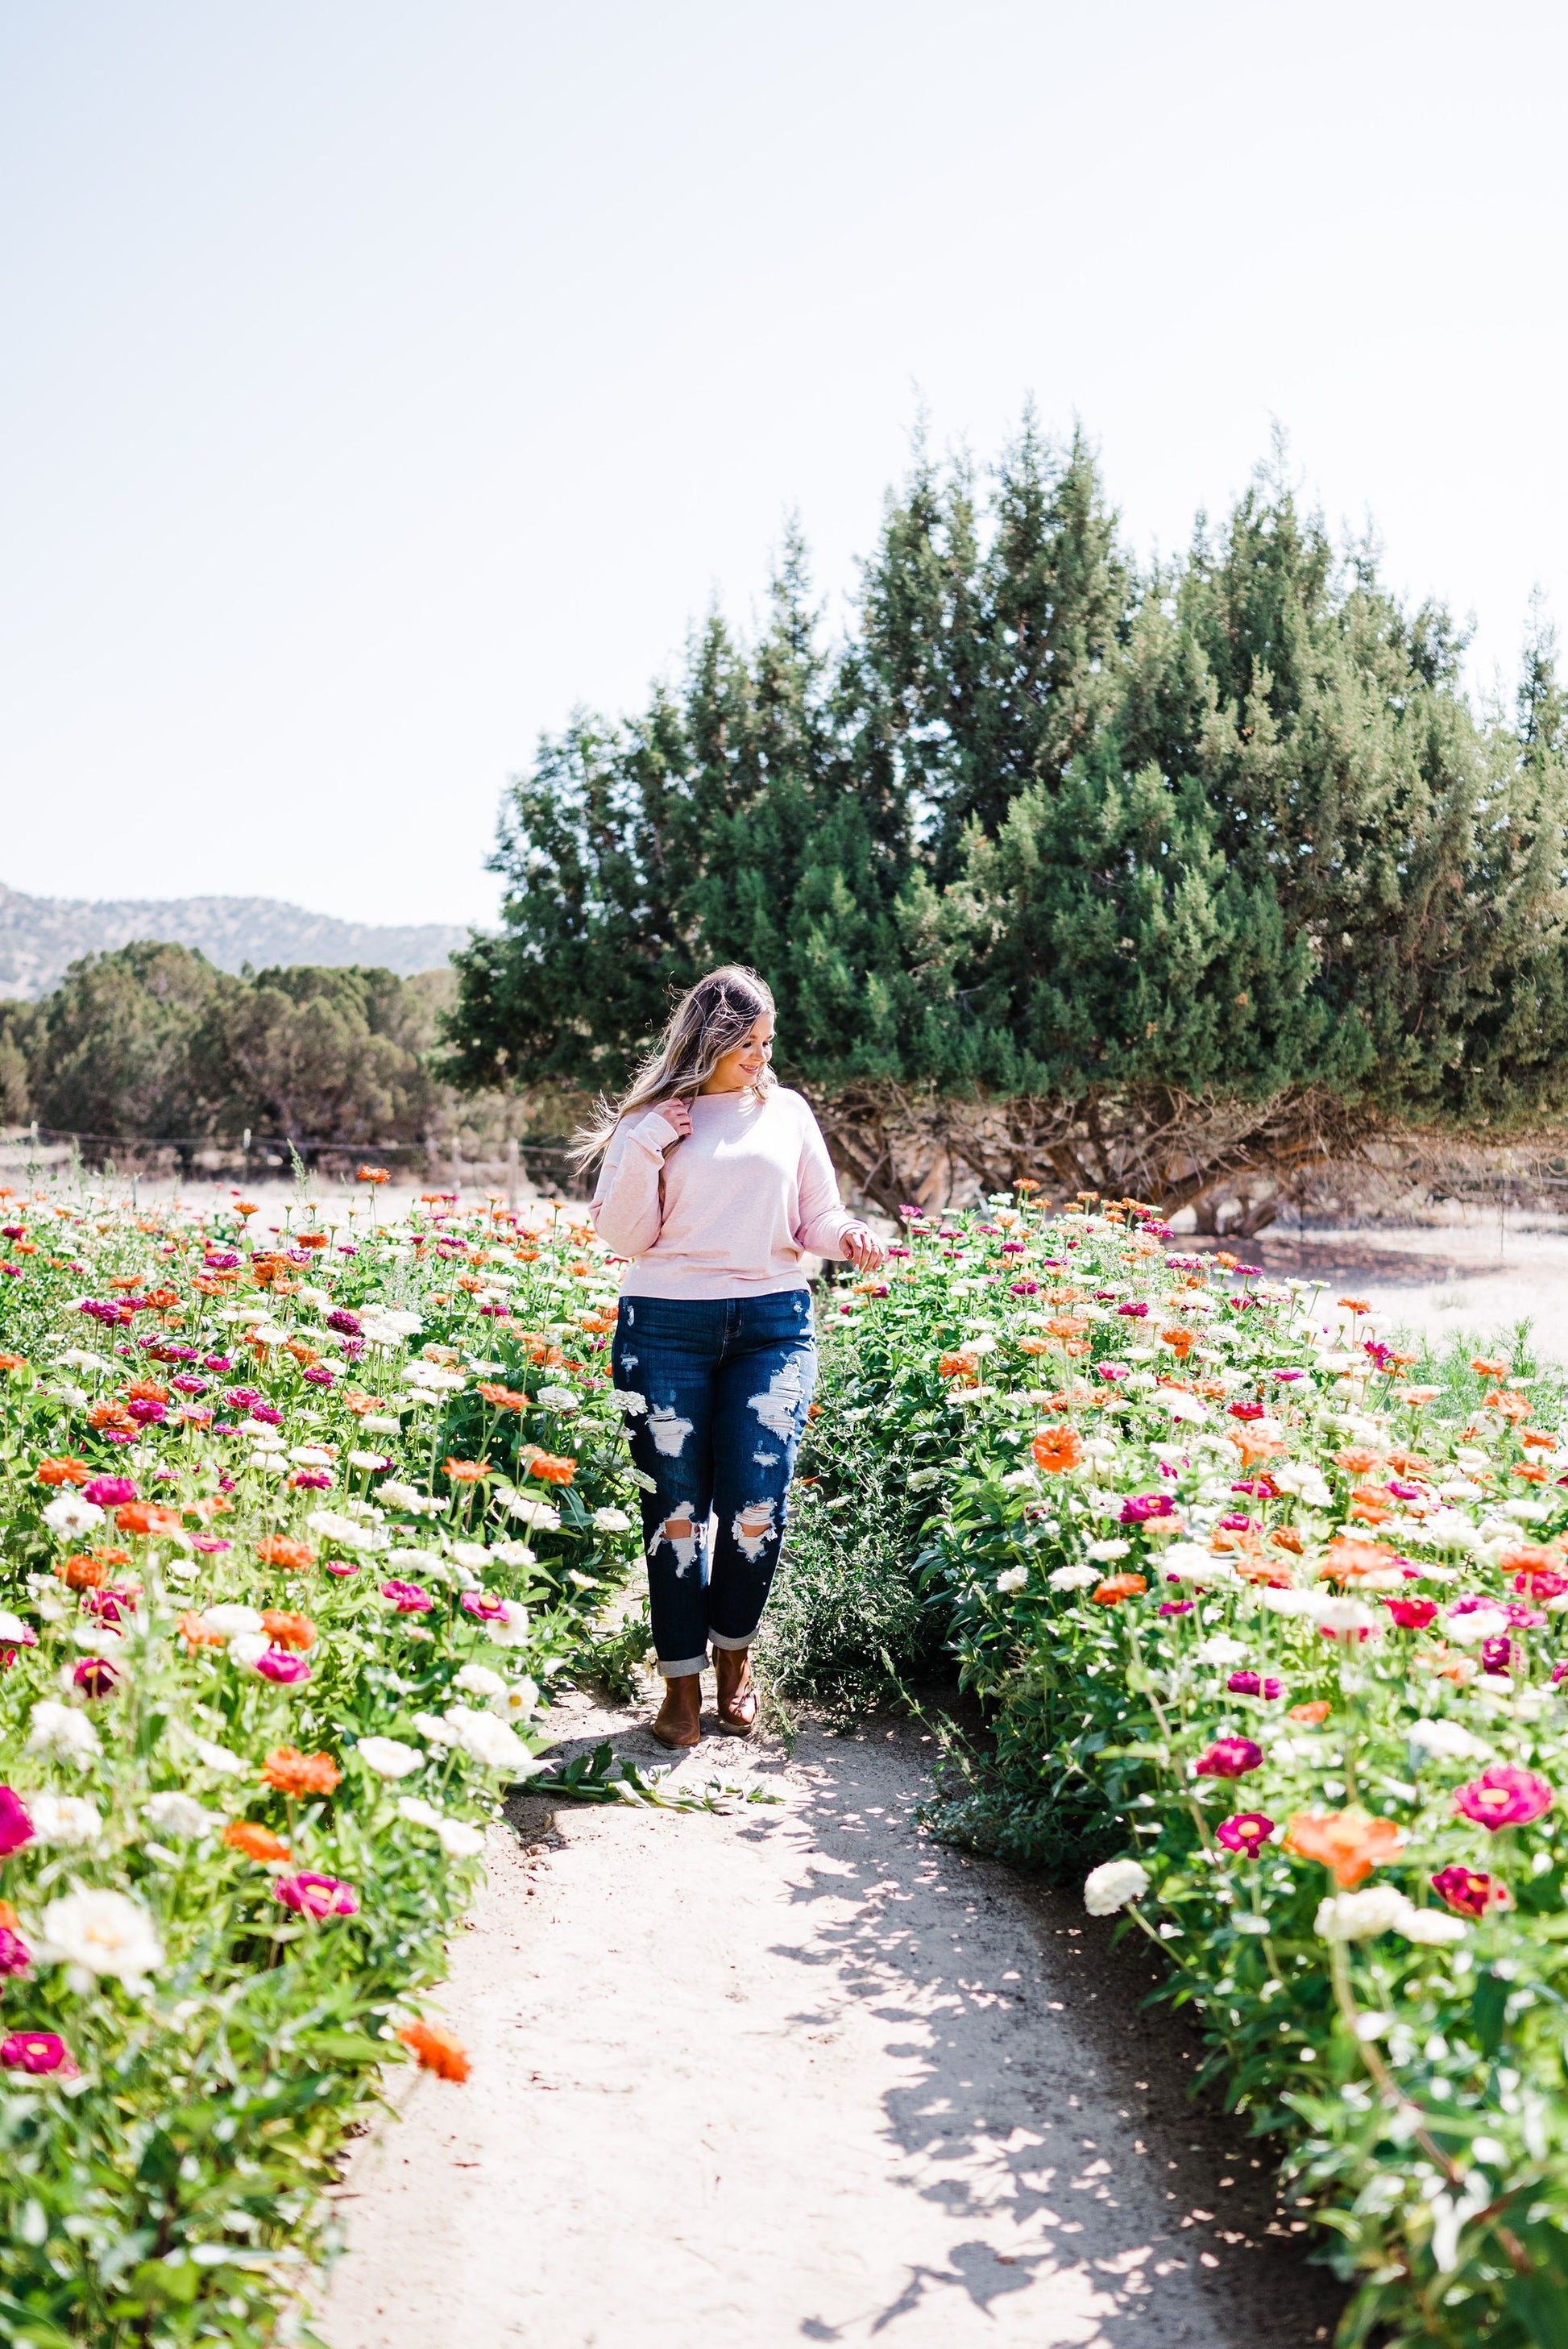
<point>1161,875</point>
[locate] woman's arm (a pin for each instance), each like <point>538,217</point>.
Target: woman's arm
<point>826,1226</point>
<point>625,1209</point>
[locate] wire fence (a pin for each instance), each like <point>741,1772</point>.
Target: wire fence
<point>519,1165</point>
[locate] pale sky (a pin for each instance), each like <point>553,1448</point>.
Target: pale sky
<point>382,380</point>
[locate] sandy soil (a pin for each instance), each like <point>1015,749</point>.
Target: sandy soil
<point>1434,1280</point>
<point>799,2073</point>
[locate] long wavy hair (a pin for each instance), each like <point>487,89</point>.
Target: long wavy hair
<point>710,1020</point>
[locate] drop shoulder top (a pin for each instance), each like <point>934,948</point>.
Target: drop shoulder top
<point>747,1193</point>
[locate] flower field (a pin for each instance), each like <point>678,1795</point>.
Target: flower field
<point>298,1526</point>
<point>1268,1620</point>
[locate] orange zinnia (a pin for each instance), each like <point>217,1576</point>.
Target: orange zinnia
<point>286,1630</point>
<point>551,1469</point>
<point>1181,1341</point>
<point>196,1634</point>
<point>1354,1305</point>
<point>502,1398</point>
<point>1056,1449</point>
<point>1117,1587</point>
<point>1318,1710</point>
<point>64,1471</point>
<point>470,1472</point>
<point>293,1773</point>
<point>255,1840</point>
<point>282,1549</point>
<point>438,2050</point>
<point>1350,1844</point>
<point>83,1573</point>
<point>1346,1559</point>
<point>958,1366</point>
<point>145,1518</point>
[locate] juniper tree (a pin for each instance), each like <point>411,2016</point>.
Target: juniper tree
<point>1155,875</point>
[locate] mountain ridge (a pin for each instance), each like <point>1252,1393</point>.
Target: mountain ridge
<point>39,936</point>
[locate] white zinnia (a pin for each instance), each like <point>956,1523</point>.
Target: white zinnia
<point>419,1813</point>
<point>1073,1578</point>
<point>558,1399</point>
<point>408,1497</point>
<point>246,1649</point>
<point>460,1840</point>
<point>221,1758</point>
<point>1358,1916</point>
<point>612,1521</point>
<point>540,1515</point>
<point>1432,1925</point>
<point>1222,1649</point>
<point>435,1730</point>
<point>70,1516</point>
<point>513,1553</point>
<point>389,1757</point>
<point>230,1622</point>
<point>1112,1886</point>
<point>181,1814</point>
<point>62,1730</point>
<point>511,1632</point>
<point>1447,1739</point>
<point>478,1680</point>
<point>102,1932</point>
<point>1014,1578</point>
<point>68,1821</point>
<point>1480,1623</point>
<point>486,1740</point>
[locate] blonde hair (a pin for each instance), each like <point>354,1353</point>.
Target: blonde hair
<point>713,1018</point>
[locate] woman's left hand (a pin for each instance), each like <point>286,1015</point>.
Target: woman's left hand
<point>864,1250</point>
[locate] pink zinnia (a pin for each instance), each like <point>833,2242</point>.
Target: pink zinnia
<point>96,1676</point>
<point>1255,1684</point>
<point>16,1957</point>
<point>408,1598</point>
<point>480,1603</point>
<point>1471,1890</point>
<point>36,2051</point>
<point>1248,1832</point>
<point>16,1826</point>
<point>1411,1614</point>
<point>1504,1797</point>
<point>283,1665</point>
<point>111,1491</point>
<point>316,1896</point>
<point>1230,1757</point>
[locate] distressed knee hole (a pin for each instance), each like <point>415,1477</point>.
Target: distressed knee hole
<point>683,1536</point>
<point>752,1528</point>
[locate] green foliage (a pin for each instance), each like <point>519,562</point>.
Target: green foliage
<point>1160,1675</point>
<point>153,1041</point>
<point>1047,828</point>
<point>169,2188</point>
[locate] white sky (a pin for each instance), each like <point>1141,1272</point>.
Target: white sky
<point>380,380</point>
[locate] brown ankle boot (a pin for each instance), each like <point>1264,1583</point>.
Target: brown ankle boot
<point>678,1721</point>
<point>739,1702</point>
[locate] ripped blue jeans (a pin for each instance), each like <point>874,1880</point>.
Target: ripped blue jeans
<point>715,1392</point>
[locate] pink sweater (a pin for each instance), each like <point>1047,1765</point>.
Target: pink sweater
<point>748,1192</point>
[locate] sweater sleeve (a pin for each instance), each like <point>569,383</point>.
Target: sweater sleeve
<point>626,1207</point>
<point>824,1218</point>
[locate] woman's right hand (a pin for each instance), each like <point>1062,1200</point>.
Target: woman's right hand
<point>675,1115</point>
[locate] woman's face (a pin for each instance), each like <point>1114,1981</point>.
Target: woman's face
<point>744,1064</point>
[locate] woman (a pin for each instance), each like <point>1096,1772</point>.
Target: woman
<point>715,1182</point>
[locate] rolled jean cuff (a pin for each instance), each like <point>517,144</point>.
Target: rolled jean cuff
<point>717,1639</point>
<point>678,1672</point>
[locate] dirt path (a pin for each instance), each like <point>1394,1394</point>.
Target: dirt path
<point>799,2073</point>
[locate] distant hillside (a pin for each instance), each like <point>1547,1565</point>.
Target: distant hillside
<point>39,936</point>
